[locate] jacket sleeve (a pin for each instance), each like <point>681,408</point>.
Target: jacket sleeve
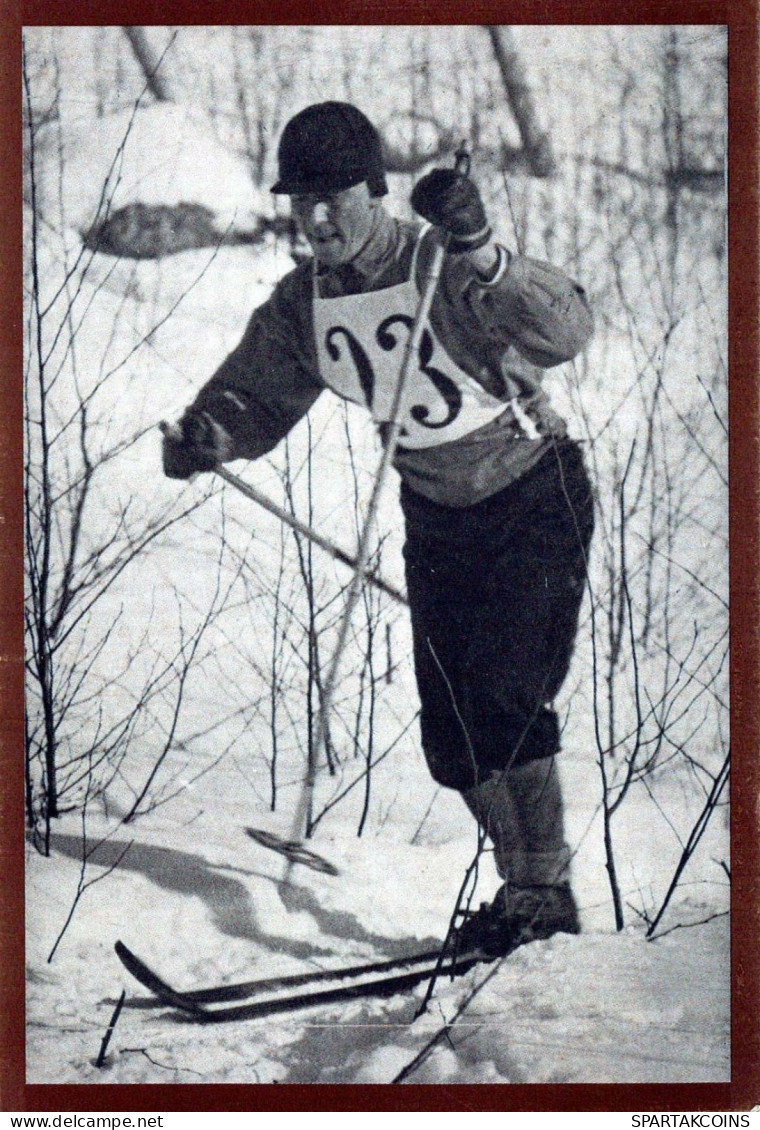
<point>530,306</point>
<point>270,380</point>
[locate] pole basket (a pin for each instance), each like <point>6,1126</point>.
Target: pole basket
<point>293,850</point>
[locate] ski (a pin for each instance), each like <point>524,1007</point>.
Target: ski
<point>241,990</point>
<point>385,979</point>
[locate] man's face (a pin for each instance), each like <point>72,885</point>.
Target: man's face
<point>336,224</point>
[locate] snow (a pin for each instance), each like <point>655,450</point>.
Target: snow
<point>149,154</point>
<point>204,904</point>
<point>182,884</point>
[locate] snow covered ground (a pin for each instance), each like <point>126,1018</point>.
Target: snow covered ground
<point>203,904</point>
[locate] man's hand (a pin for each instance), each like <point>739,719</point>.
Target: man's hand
<point>452,202</point>
<point>196,443</point>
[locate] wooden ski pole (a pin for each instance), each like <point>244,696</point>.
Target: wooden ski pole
<point>309,532</point>
<point>369,575</point>
<point>301,826</point>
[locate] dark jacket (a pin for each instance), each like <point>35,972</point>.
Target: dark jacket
<point>502,333</point>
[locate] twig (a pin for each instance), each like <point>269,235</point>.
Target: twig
<point>695,836</point>
<point>109,1030</point>
<point>364,772</point>
<point>162,1066</point>
<point>445,1030</point>
<point>428,810</point>
<point>687,925</point>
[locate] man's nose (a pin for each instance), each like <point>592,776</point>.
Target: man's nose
<point>319,213</point>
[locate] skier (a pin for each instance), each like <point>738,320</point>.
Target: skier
<point>497,505</point>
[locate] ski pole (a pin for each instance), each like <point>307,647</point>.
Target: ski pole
<point>300,527</point>
<point>304,809</point>
<point>288,519</point>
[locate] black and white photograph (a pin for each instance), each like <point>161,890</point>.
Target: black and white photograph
<point>376,514</point>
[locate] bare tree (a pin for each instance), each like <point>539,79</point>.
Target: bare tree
<point>658,606</point>
<point>536,143</point>
<point>82,537</point>
<point>157,77</point>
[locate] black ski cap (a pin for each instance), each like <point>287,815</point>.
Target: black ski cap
<point>328,147</point>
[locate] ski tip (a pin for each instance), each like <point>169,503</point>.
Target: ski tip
<point>126,957</point>
<point>130,961</point>
<point>133,964</point>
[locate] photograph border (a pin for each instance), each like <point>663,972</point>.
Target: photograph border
<point>743,1092</point>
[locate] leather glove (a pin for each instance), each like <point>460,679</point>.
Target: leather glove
<point>196,443</point>
<point>452,202</point>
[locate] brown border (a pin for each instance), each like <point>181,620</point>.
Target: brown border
<point>744,1091</point>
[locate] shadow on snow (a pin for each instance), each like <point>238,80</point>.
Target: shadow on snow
<point>229,901</point>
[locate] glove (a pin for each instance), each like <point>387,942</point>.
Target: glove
<point>452,202</point>
<point>197,443</point>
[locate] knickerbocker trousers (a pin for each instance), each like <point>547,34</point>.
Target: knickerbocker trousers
<point>494,593</point>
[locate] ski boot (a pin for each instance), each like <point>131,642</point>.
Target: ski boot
<point>518,915</point>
